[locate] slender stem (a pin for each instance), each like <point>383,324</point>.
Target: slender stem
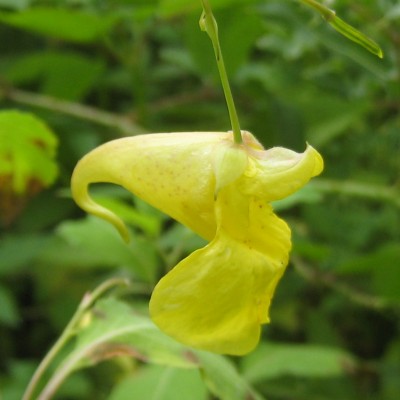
<point>62,340</point>
<point>333,282</point>
<point>59,377</point>
<point>81,111</point>
<point>50,356</point>
<point>209,25</point>
<point>69,331</point>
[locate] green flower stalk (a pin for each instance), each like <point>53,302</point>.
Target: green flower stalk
<point>209,25</point>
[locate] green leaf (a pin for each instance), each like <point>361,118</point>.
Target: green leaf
<point>161,383</point>
<point>223,379</point>
<point>273,360</point>
<point>114,325</point>
<point>27,150</point>
<point>355,35</point>
<point>68,75</point>
<point>94,243</point>
<point>148,222</point>
<point>70,25</point>
<point>114,329</point>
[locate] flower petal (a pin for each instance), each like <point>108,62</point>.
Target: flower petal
<point>171,171</point>
<point>278,172</point>
<point>217,298</point>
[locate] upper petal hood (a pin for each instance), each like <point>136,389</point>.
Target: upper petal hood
<point>174,172</point>
<point>278,172</point>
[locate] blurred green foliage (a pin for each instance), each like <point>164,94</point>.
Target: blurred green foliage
<point>94,70</point>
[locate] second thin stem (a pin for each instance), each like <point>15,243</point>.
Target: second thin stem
<point>209,25</point>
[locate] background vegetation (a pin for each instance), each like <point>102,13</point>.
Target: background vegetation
<point>94,70</point>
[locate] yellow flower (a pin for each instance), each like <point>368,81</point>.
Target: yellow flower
<point>218,297</point>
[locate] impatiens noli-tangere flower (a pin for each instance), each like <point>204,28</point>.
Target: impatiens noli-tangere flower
<point>218,297</point>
